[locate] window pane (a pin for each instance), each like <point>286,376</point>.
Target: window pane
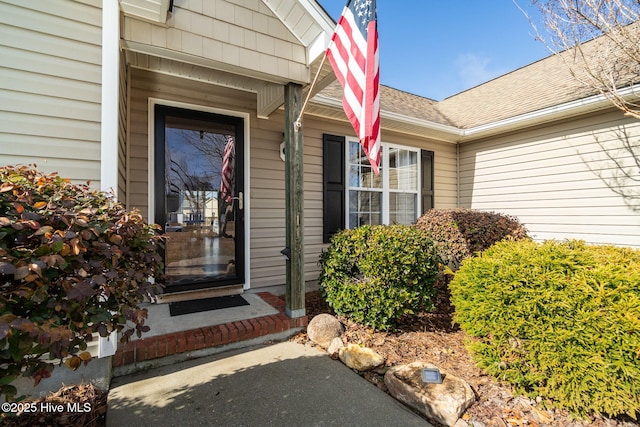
<point>365,208</point>
<point>353,220</point>
<point>393,158</point>
<point>403,208</point>
<point>354,177</point>
<point>403,170</point>
<point>361,174</point>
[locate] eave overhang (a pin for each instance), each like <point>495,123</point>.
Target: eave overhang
<point>331,108</point>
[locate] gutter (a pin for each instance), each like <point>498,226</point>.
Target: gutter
<point>572,108</point>
<point>458,135</point>
<point>396,117</point>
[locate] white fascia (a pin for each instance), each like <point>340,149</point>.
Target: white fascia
<point>580,106</point>
<point>400,118</point>
<point>592,103</point>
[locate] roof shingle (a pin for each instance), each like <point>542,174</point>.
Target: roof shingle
<point>542,84</point>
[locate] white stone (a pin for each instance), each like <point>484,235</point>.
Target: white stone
<point>443,403</point>
<point>360,358</point>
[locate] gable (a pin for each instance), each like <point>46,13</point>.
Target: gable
<point>252,45</point>
<point>241,37</point>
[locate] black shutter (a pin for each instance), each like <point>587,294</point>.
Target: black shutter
<point>427,181</point>
<point>333,179</point>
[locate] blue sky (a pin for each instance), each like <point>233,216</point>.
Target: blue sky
<point>437,48</point>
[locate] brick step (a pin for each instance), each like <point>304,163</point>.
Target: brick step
<point>157,347</point>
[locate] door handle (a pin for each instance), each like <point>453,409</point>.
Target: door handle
<point>240,200</point>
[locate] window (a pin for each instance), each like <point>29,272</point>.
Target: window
<point>355,196</point>
<point>365,189</point>
<point>396,187</point>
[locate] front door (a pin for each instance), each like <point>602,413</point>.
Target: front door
<point>199,197</point>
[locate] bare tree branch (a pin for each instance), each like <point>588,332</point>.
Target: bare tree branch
<point>599,41</point>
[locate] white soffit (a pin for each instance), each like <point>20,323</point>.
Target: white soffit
<point>307,21</point>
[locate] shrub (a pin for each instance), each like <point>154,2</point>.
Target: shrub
<point>376,274</point>
<point>72,262</point>
<point>556,320</point>
<point>460,233</point>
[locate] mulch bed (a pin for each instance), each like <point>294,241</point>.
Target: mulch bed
<point>77,405</point>
<point>432,337</point>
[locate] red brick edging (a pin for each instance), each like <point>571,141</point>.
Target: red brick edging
<point>211,336</point>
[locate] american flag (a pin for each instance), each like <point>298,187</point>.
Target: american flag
<point>353,54</point>
<point>226,184</point>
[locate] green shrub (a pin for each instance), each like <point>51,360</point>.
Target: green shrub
<point>460,233</point>
<point>557,320</point>
<point>376,274</point>
<point>72,262</point>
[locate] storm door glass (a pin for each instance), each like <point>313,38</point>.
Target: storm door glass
<point>199,199</point>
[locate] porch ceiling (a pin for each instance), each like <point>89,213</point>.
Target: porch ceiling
<point>193,71</point>
<point>269,92</point>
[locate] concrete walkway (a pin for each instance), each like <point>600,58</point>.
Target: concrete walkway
<point>285,384</point>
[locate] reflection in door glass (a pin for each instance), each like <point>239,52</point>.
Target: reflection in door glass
<point>199,185</point>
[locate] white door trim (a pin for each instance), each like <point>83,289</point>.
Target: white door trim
<point>247,166</point>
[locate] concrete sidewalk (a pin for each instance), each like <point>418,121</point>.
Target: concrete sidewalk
<point>285,384</point>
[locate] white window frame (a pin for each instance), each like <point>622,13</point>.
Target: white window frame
<point>385,148</point>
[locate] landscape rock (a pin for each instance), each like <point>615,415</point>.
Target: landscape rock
<point>443,403</point>
<point>323,328</point>
<point>360,358</point>
<point>334,347</point>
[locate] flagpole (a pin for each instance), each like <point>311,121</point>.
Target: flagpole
<point>297,123</point>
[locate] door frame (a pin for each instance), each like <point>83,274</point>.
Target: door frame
<point>152,102</point>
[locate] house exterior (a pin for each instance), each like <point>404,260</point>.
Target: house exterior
<point>152,98</point>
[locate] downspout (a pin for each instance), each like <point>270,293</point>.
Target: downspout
<point>127,193</point>
<point>457,174</point>
<point>109,121</point>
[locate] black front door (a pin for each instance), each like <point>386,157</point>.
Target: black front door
<point>199,172</point>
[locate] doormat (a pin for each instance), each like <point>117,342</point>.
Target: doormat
<point>196,306</point>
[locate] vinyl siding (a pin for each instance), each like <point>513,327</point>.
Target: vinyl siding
<point>267,186</point>
<point>233,33</point>
<point>314,128</point>
<point>558,181</point>
<point>266,191</point>
<point>50,86</point>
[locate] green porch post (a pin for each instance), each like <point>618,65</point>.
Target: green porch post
<point>294,199</point>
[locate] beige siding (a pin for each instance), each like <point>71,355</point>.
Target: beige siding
<point>234,33</point>
<point>50,86</point>
<point>558,181</point>
<point>266,192</point>
<point>444,179</point>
